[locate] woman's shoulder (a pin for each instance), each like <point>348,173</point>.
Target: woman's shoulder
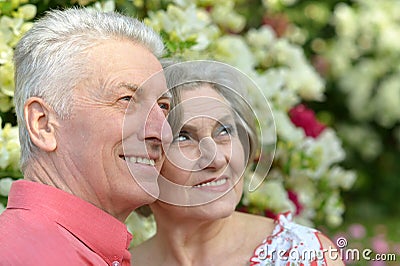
<point>291,242</point>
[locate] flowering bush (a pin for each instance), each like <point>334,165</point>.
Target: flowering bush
<point>305,177</point>
<point>365,55</point>
<point>351,43</point>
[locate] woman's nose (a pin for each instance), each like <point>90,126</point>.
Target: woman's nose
<point>211,156</point>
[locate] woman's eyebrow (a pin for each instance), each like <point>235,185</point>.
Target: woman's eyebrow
<point>226,119</point>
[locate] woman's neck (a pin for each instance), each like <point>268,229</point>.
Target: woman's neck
<point>191,241</point>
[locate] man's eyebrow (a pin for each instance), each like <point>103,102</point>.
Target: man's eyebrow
<point>130,86</point>
<point>166,95</point>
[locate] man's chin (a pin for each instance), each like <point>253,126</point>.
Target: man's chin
<point>147,181</point>
<point>151,189</point>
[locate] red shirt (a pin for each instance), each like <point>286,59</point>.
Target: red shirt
<point>43,225</point>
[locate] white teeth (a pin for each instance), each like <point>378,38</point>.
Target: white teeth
<point>140,160</point>
<point>212,183</point>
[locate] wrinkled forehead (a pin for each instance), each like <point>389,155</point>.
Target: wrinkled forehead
<point>142,83</point>
<point>203,101</point>
<point>134,65</point>
<point>204,107</point>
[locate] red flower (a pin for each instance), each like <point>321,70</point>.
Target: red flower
<point>303,117</point>
<point>295,199</point>
<point>269,214</point>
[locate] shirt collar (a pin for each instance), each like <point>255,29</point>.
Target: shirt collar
<point>101,232</point>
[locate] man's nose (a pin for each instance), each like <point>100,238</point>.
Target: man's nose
<point>157,128</point>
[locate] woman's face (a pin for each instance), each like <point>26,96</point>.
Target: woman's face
<point>206,158</point>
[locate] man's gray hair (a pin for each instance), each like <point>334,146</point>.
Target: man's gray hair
<point>50,58</point>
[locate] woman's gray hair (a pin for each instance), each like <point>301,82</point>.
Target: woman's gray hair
<point>229,82</point>
<point>50,58</point>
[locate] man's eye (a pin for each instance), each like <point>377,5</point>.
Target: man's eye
<point>164,106</point>
<point>126,98</point>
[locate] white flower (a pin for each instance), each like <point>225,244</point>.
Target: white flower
<point>326,149</point>
<point>270,195</point>
<point>260,42</point>
<point>106,6</point>
<point>233,50</point>
<point>5,185</point>
<point>261,38</point>
<point>9,147</point>
<point>387,35</point>
<point>27,12</point>
<point>334,210</point>
<point>306,192</point>
<point>338,177</point>
<point>286,129</point>
<point>301,77</point>
<point>224,15</point>
<point>185,23</point>
<point>387,101</point>
<point>345,21</point>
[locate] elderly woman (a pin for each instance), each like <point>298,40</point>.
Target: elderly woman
<point>201,183</point>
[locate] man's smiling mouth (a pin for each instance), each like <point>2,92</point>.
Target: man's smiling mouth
<point>141,160</point>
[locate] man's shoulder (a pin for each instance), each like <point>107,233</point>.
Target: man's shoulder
<point>31,238</point>
<point>22,229</point>
<point>22,221</point>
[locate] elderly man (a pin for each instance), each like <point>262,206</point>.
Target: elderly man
<point>91,132</point>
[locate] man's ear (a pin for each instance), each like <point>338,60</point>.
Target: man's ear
<point>41,123</point>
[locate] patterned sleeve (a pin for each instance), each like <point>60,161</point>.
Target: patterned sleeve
<point>289,244</point>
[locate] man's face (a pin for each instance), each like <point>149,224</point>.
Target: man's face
<point>113,141</point>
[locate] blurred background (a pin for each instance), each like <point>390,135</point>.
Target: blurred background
<point>331,72</point>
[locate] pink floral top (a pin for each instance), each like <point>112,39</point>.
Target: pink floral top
<point>289,244</point>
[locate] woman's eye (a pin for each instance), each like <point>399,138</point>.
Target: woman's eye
<point>181,137</point>
<point>225,130</point>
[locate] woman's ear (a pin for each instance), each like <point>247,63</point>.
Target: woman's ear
<point>41,122</point>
